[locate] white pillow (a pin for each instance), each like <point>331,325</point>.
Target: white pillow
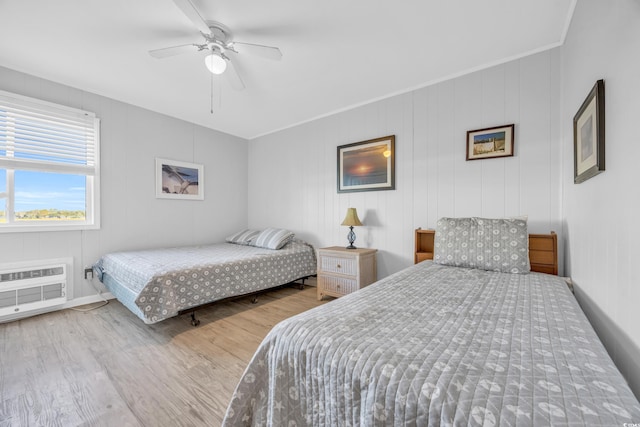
<point>273,238</point>
<point>244,237</point>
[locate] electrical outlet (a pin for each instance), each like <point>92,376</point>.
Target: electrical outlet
<point>88,273</point>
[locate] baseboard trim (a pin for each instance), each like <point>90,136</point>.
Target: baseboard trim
<point>86,300</point>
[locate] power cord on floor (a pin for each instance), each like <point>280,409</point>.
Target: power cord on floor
<point>104,300</point>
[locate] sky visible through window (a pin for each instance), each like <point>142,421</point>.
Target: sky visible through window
<point>45,191</point>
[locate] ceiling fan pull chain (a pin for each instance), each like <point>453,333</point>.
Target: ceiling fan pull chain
<point>211,74</point>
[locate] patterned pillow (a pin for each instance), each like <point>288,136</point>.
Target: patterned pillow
<point>486,244</point>
<point>504,245</point>
<point>455,242</point>
<point>244,237</point>
<point>273,238</point>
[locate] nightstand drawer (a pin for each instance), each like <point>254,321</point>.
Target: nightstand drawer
<point>346,266</point>
<point>342,271</point>
<point>337,285</point>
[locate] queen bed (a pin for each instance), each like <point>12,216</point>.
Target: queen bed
<point>441,343</point>
<point>157,284</point>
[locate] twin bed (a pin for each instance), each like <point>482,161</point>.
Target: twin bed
<point>158,284</point>
<point>472,337</point>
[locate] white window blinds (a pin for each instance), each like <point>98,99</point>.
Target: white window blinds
<point>37,135</point>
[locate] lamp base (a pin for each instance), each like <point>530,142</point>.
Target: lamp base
<point>351,237</point>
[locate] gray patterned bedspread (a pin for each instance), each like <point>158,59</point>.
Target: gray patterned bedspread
<point>435,345</point>
<point>157,284</point>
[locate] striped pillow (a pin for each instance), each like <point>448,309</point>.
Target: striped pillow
<point>273,238</point>
<point>244,237</point>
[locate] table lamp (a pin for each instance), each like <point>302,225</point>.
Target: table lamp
<point>351,220</point>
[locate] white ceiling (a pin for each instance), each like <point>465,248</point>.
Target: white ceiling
<point>336,54</point>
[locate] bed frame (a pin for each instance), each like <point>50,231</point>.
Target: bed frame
<point>253,295</point>
<point>543,250</point>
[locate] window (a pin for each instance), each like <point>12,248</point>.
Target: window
<point>49,166</point>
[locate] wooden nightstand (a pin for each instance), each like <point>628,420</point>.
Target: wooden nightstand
<point>342,271</point>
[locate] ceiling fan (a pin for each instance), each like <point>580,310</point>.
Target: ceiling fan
<point>218,42</point>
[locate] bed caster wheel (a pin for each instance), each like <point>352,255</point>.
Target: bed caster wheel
<point>194,321</point>
<point>301,287</point>
<point>254,300</point>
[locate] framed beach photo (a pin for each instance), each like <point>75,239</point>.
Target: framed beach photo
<point>179,180</point>
<point>490,142</point>
<point>367,165</point>
<point>588,136</point>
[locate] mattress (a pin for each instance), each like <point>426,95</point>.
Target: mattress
<point>436,345</point>
<point>158,284</point>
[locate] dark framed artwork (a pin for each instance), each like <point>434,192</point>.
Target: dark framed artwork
<point>367,165</point>
<point>489,143</point>
<point>588,136</point>
<point>179,180</point>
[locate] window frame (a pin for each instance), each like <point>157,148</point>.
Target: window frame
<point>9,166</point>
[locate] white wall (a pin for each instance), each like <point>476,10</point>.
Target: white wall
<point>603,239</point>
<point>132,218</point>
<point>292,173</point>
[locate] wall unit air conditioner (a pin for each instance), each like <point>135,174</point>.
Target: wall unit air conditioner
<point>32,287</point>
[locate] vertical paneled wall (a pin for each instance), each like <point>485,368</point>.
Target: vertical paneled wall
<point>601,213</point>
<point>292,173</point>
<point>132,217</point>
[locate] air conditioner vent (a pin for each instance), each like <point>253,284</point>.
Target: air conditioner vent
<point>32,288</point>
<point>31,274</point>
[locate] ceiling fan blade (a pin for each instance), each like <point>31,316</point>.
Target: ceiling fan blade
<point>233,77</point>
<point>268,52</point>
<point>192,13</point>
<point>172,51</point>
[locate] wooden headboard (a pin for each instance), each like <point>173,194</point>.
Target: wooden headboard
<point>543,250</point>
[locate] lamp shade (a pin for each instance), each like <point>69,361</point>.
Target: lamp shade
<point>215,63</point>
<point>352,218</point>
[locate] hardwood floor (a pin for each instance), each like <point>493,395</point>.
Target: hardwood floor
<point>107,368</point>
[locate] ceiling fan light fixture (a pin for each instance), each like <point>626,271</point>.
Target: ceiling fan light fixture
<point>215,63</point>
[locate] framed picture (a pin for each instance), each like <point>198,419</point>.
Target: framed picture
<point>588,136</point>
<point>179,180</point>
<point>490,142</point>
<point>367,165</point>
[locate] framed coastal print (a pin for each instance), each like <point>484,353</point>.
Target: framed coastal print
<point>367,165</point>
<point>489,143</point>
<point>179,180</point>
<point>588,136</point>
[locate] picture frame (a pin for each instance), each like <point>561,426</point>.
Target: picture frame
<point>179,180</point>
<point>367,165</point>
<point>588,136</point>
<point>489,143</point>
